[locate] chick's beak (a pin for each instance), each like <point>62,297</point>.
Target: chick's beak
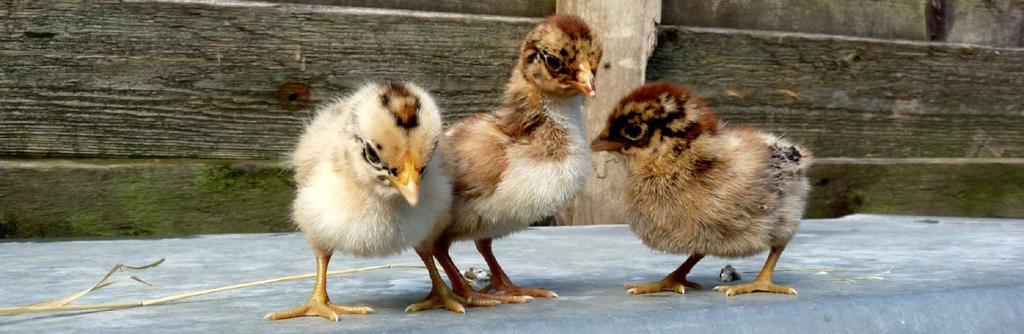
<point>408,182</point>
<point>585,80</point>
<point>603,144</point>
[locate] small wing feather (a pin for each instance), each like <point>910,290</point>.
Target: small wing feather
<point>476,156</point>
<point>789,161</point>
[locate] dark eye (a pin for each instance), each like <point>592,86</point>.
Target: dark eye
<point>553,63</point>
<point>371,156</point>
<point>633,132</point>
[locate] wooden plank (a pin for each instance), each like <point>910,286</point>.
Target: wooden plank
<point>628,30</point>
<point>528,8</point>
<point>899,19</point>
<point>106,198</point>
<point>201,78</point>
<point>987,189</point>
<point>855,97</point>
<point>142,198</point>
<point>985,22</point>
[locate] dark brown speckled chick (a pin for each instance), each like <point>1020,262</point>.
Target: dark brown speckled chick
<point>698,188</point>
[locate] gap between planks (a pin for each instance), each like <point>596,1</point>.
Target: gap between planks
<point>93,163</point>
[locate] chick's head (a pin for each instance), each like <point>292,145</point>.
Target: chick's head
<point>561,56</point>
<point>654,115</point>
<point>398,126</point>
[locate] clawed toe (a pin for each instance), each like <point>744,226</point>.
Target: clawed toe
<point>453,302</point>
<point>342,309</point>
<point>518,291</point>
<point>448,302</point>
<point>756,286</point>
<point>499,298</point>
<point>664,285</point>
<point>326,310</point>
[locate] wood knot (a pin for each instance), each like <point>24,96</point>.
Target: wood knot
<point>293,95</point>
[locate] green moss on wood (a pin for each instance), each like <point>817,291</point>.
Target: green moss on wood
<point>981,190</point>
<point>146,199</point>
<point>8,227</point>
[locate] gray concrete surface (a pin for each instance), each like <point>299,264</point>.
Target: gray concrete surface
<point>859,274</point>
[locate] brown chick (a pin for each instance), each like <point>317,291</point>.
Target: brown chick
<point>698,188</point>
<point>528,159</point>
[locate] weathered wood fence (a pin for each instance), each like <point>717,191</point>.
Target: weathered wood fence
<point>146,117</point>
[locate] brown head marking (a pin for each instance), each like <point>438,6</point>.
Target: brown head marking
<point>402,104</point>
<point>653,112</point>
<point>573,26</point>
<point>561,55</point>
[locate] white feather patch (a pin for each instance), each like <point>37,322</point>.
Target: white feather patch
<point>532,190</point>
<point>359,222</point>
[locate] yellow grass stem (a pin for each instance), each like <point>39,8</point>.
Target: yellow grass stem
<point>60,305</point>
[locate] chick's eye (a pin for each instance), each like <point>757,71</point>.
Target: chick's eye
<point>553,63</point>
<point>632,132</point>
<point>371,156</point>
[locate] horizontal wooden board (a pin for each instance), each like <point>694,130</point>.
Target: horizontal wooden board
<point>142,198</point>
<point>982,22</point>
<point>105,198</point>
<point>901,19</point>
<point>985,22</point>
<point>854,97</point>
<point>200,79</point>
<point>956,188</point>
<point>530,8</point>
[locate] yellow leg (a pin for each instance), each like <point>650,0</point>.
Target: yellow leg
<point>763,282</point>
<point>319,304</point>
<point>674,282</point>
<point>440,295</point>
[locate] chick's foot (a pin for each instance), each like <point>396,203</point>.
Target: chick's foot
<point>509,289</point>
<point>763,282</point>
<point>316,308</point>
<point>664,285</point>
<point>755,286</point>
<point>504,299</point>
<point>447,299</point>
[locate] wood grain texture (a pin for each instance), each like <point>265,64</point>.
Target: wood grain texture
<point>629,29</point>
<point>985,22</point>
<point>854,97</point>
<point>991,189</point>
<point>899,19</point>
<point>191,79</point>
<point>529,8</point>
<point>200,79</point>
<point>142,198</point>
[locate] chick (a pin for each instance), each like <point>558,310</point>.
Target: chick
<point>369,184</point>
<point>697,188</point>
<point>529,158</point>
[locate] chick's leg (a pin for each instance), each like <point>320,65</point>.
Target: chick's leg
<point>500,281</point>
<point>674,282</point>
<point>440,295</point>
<point>462,287</point>
<point>763,282</point>
<point>319,304</point>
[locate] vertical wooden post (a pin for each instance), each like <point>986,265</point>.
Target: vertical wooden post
<point>629,32</point>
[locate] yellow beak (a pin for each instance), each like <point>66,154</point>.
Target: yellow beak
<point>408,181</point>
<point>585,80</point>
